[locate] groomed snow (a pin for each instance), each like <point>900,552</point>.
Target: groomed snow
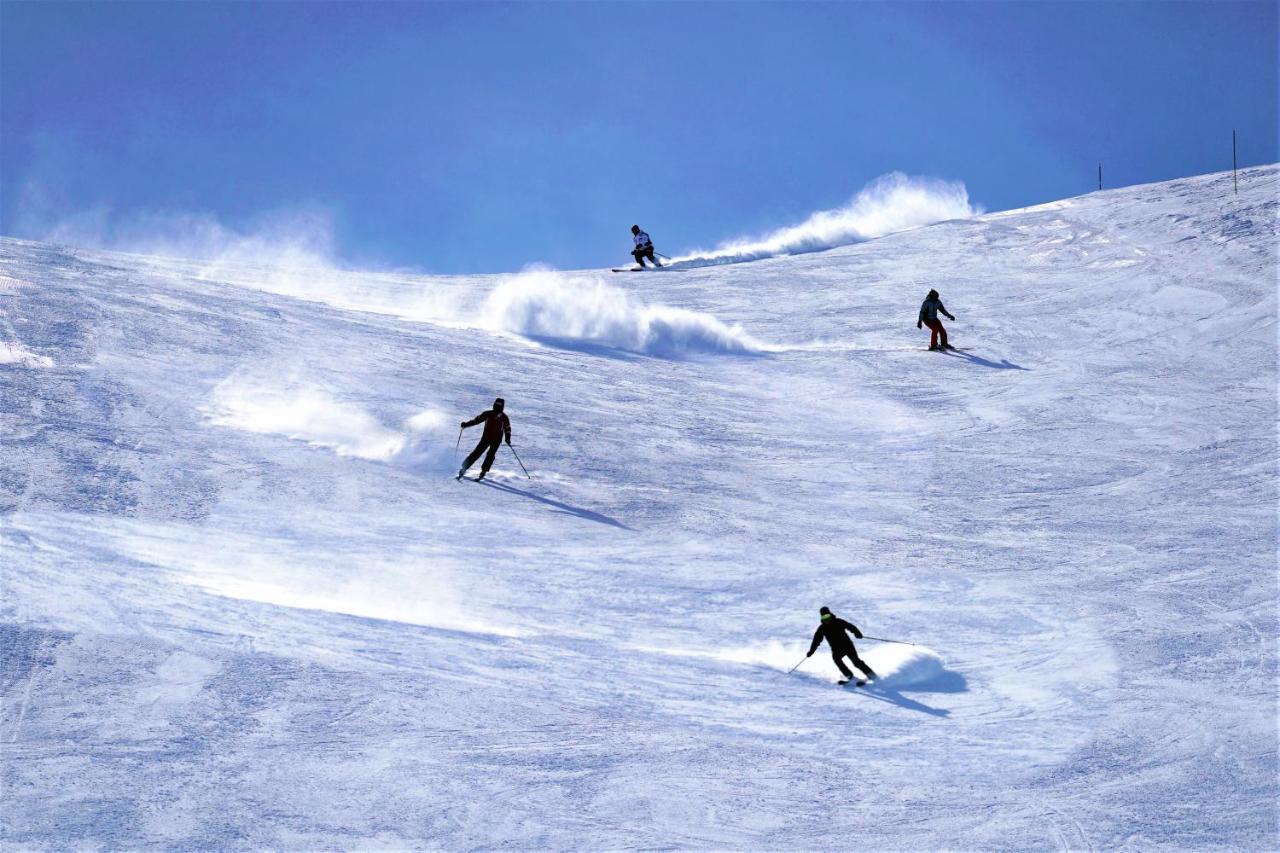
<point>246,605</point>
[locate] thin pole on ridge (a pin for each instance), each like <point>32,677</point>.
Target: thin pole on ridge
<point>1235,186</point>
<point>1099,176</point>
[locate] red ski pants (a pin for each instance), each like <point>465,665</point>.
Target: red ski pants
<point>935,326</point>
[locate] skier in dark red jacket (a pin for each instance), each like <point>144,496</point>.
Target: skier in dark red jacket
<point>832,629</point>
<point>496,427</point>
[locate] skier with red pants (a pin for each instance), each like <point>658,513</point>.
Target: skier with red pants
<point>496,427</point>
<point>929,311</point>
<point>832,629</point>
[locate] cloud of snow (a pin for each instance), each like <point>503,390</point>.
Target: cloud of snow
<point>305,412</point>
<point>299,237</point>
<point>12,352</point>
<point>308,568</point>
<point>898,665</point>
<point>904,666</point>
<point>893,202</point>
<point>291,252</point>
<point>582,308</point>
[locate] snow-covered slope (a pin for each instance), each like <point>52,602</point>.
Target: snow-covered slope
<point>245,604</point>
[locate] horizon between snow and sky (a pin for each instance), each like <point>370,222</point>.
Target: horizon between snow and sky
<point>452,137</point>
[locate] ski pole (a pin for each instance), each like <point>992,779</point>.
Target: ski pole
<point>797,666</point>
<point>517,456</point>
<point>883,640</point>
<point>458,445</point>
<point>659,254</point>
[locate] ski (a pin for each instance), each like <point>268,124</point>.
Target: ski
<point>855,683</point>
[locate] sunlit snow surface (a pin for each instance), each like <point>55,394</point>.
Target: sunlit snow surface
<point>246,605</point>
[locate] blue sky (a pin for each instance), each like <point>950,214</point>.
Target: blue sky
<point>468,137</point>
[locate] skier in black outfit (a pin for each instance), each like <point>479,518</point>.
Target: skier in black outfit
<point>832,629</point>
<point>929,311</point>
<point>644,247</point>
<point>496,427</point>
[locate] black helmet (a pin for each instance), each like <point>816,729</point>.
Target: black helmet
<point>933,294</point>
<point>824,612</point>
<point>498,404</point>
<point>635,229</point>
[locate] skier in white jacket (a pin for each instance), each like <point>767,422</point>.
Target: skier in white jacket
<point>644,247</point>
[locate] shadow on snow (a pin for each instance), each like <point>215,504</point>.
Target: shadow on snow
<point>559,506</point>
<point>1003,364</point>
<point>947,681</point>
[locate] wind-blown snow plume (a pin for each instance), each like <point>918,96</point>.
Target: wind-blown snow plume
<point>303,413</point>
<point>12,352</point>
<point>547,304</point>
<point>288,252</point>
<point>893,202</point>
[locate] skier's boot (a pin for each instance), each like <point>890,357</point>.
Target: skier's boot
<point>933,348</point>
<point>461,471</point>
<point>481,477</point>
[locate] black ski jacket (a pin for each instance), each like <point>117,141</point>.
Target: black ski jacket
<point>930,309</point>
<point>833,631</point>
<point>496,425</point>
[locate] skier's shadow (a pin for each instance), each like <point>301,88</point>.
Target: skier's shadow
<point>947,681</point>
<point>894,697</point>
<point>559,506</point>
<point>1002,364</point>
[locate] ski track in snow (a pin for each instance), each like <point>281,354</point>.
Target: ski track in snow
<point>246,605</point>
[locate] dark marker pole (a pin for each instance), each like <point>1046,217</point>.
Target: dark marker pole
<point>1234,185</point>
<point>1099,176</point>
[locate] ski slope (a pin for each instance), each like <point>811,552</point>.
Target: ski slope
<point>246,605</point>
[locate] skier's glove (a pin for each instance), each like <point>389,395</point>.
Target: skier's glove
<point>462,425</point>
<point>809,655</point>
<point>919,325</point>
<point>858,634</point>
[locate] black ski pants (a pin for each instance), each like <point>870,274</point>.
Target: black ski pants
<point>852,655</point>
<point>491,445</point>
<point>642,252</point>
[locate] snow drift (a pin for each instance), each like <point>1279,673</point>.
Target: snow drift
<point>303,413</point>
<point>12,352</point>
<point>564,307</point>
<point>307,412</point>
<point>893,202</point>
<point>904,666</point>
